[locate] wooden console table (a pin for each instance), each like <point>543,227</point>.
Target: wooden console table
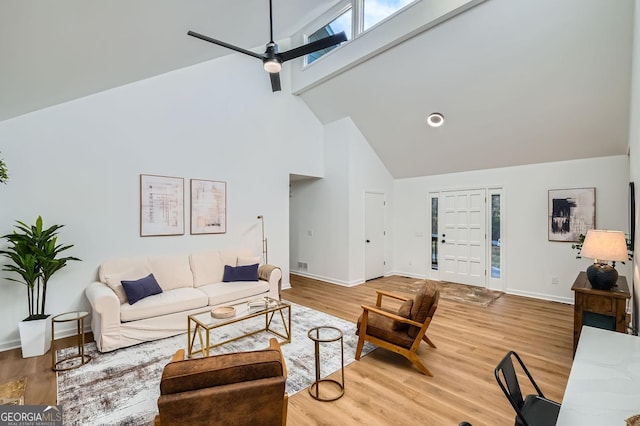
<point>604,309</point>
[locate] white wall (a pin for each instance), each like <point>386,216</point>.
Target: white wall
<point>530,259</point>
<point>634,144</point>
<point>327,214</point>
<point>78,164</point>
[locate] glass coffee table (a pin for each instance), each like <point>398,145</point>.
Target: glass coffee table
<point>201,324</point>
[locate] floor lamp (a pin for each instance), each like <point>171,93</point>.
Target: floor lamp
<point>264,240</point>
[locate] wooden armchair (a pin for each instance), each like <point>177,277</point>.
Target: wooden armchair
<point>242,388</point>
<point>400,331</point>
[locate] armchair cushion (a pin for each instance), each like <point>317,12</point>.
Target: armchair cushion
<point>241,388</point>
<point>243,404</point>
<point>220,370</point>
<point>405,312</point>
<point>382,327</point>
<point>422,305</point>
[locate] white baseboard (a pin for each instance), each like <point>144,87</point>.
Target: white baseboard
<point>7,345</point>
<point>326,279</point>
<point>566,300</point>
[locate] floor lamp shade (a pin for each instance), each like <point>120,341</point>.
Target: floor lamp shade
<point>604,246</point>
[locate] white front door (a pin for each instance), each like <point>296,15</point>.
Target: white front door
<point>462,237</point>
<point>374,235</point>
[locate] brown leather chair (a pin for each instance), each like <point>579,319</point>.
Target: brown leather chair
<point>242,388</point>
<point>400,331</point>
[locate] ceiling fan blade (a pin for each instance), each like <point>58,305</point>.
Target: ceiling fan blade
<point>227,45</point>
<point>314,46</point>
<point>275,81</point>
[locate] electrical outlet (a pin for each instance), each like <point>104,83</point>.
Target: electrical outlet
<point>554,280</point>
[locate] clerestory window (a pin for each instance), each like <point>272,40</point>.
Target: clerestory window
<point>341,23</point>
<point>375,11</point>
<point>360,15</point>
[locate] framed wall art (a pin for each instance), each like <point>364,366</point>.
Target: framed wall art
<point>208,207</point>
<point>571,212</point>
<point>161,205</point>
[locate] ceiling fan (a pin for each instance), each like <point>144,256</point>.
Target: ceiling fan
<point>272,59</point>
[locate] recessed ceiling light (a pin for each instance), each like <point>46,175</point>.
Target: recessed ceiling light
<point>435,119</point>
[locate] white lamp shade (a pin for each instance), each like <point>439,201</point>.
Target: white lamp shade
<point>605,245</point>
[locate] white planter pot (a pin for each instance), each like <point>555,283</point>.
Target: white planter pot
<point>35,337</point>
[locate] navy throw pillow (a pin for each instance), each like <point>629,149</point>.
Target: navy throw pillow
<point>139,289</point>
<point>240,273</point>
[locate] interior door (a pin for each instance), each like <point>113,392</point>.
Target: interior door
<point>462,237</point>
<point>374,235</point>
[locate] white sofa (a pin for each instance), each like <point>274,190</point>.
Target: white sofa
<point>190,283</point>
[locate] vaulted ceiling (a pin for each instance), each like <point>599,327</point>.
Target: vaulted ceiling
<point>518,81</point>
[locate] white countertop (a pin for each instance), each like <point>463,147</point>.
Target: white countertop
<point>604,383</point>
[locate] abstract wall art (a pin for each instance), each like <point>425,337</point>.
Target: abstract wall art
<point>571,212</point>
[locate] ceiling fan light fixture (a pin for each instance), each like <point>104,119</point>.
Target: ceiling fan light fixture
<point>272,65</point>
<point>435,119</point>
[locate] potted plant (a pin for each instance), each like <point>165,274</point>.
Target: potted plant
<point>35,253</point>
<point>4,173</point>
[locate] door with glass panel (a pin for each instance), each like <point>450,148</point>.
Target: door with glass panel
<point>462,241</point>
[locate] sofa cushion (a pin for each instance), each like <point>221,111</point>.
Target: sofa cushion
<point>171,271</point>
<point>167,302</point>
<point>114,281</point>
<point>240,273</point>
<point>247,260</point>
<point>219,293</point>
<point>207,267</point>
<point>139,289</point>
<point>131,268</point>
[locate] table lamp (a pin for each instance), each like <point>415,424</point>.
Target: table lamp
<point>603,246</point>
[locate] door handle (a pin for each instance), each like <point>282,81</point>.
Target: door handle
<point>368,241</point>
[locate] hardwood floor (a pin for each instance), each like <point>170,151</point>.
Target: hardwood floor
<point>385,389</point>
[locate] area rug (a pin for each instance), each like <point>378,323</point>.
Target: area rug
<point>463,293</point>
<point>122,387</point>
<point>12,393</point>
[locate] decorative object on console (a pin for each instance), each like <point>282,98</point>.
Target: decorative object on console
<point>603,246</point>
<point>35,252</point>
<point>264,240</point>
<point>161,205</point>
<point>208,207</point>
<point>571,212</point>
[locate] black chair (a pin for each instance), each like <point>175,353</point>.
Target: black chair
<point>532,410</point>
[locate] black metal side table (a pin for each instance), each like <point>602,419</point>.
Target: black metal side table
<point>59,365</point>
<point>326,334</point>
